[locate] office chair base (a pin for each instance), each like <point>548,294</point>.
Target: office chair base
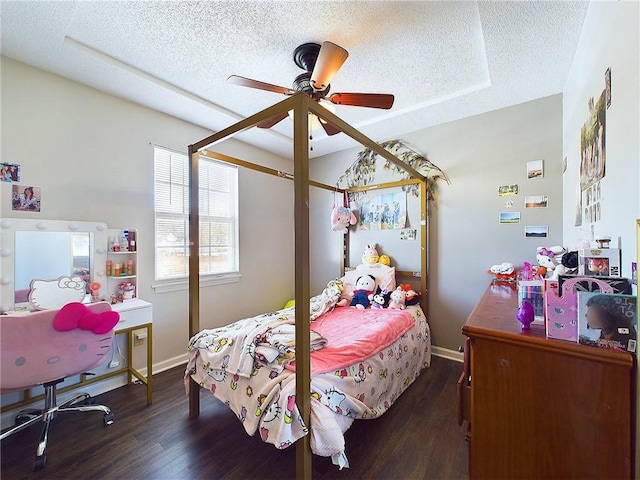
<point>26,418</point>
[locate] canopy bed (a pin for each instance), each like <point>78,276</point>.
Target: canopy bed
<point>412,337</point>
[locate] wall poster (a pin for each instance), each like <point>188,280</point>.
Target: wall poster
<point>386,211</point>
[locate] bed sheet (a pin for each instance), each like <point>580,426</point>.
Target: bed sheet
<point>264,401</point>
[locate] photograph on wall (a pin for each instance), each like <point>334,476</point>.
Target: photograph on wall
<point>578,221</point>
<point>509,217</point>
<point>504,190</point>
<point>607,86</point>
<point>608,320</point>
<point>535,169</point>
<point>383,211</point>
<point>9,172</point>
<point>536,231</point>
<point>25,198</point>
<point>593,145</point>
<point>536,201</point>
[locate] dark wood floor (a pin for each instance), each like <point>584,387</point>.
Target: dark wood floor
<point>418,438</point>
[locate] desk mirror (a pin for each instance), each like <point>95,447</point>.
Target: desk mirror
<point>47,249</point>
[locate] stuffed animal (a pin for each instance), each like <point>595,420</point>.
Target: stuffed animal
<point>550,257</point>
<point>363,293</point>
<point>380,298</point>
<point>341,218</point>
<point>412,297</point>
<point>385,260</point>
<point>370,255</point>
<point>568,265</point>
<point>398,298</point>
<point>503,271</point>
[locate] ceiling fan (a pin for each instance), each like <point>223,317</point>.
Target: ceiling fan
<point>321,63</point>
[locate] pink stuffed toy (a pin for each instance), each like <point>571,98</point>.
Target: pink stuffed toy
<point>398,298</point>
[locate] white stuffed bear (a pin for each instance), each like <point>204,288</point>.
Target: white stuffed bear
<point>341,218</point>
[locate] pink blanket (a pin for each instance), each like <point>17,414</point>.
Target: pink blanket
<point>353,335</point>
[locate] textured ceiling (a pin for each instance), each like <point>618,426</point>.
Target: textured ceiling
<point>442,60</point>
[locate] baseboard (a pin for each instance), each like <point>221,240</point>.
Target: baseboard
<point>448,354</point>
<point>169,363</point>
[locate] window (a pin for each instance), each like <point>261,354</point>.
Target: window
<point>218,216</point>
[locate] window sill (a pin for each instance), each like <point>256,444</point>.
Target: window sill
<point>206,281</point>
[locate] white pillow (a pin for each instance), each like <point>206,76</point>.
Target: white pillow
<point>385,277</point>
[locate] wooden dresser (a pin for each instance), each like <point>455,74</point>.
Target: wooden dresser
<point>542,408</point>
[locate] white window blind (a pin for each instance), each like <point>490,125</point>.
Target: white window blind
<point>218,197</point>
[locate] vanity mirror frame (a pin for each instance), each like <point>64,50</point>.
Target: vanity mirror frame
<point>8,229</point>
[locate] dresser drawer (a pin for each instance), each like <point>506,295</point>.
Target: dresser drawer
<point>133,317</point>
<point>464,399</point>
<point>464,387</point>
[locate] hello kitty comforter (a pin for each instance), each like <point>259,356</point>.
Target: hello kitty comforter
<point>370,357</point>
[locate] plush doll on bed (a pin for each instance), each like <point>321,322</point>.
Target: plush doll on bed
<point>370,255</point>
<point>363,293</point>
<point>398,298</point>
<point>380,298</point>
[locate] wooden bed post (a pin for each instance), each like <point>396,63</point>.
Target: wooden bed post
<point>424,249</point>
<point>194,268</point>
<point>302,279</point>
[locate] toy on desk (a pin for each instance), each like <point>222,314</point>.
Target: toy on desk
<point>562,310</point>
<point>550,257</point>
<point>568,265</point>
<point>94,288</point>
<point>505,272</point>
<point>525,314</point>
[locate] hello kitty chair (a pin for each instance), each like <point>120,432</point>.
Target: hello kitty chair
<point>47,346</point>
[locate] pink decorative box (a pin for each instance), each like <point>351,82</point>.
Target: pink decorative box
<point>562,310</point>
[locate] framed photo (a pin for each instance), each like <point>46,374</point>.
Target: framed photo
<point>504,190</point>
<point>509,217</point>
<point>536,201</point>
<point>536,231</point>
<point>25,198</point>
<point>535,169</point>
<point>9,172</point>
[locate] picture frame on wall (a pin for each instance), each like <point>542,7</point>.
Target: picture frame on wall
<point>9,172</point>
<point>535,169</point>
<point>25,198</point>
<point>536,231</point>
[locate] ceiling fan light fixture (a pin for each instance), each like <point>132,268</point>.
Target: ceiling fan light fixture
<point>314,120</point>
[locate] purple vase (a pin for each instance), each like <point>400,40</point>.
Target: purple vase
<point>525,314</point>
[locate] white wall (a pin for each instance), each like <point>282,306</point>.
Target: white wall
<point>478,154</point>
<point>610,39</point>
<point>92,156</point>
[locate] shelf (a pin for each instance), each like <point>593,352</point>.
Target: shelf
<point>121,277</point>
<point>122,253</point>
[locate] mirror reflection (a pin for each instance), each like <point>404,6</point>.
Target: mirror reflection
<point>48,255</point>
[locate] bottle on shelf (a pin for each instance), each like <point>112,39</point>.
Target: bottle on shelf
<point>109,268</point>
<point>117,270</point>
<point>129,267</point>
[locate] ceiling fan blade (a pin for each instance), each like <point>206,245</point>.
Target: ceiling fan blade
<point>330,59</point>
<point>272,121</point>
<point>247,82</point>
<point>330,129</point>
<point>372,100</point>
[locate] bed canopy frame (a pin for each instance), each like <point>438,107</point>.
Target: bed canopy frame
<point>301,105</point>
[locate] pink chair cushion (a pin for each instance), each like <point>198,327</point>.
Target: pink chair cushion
<point>33,352</point>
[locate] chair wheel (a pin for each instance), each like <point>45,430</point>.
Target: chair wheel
<point>40,462</point>
<point>108,419</point>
